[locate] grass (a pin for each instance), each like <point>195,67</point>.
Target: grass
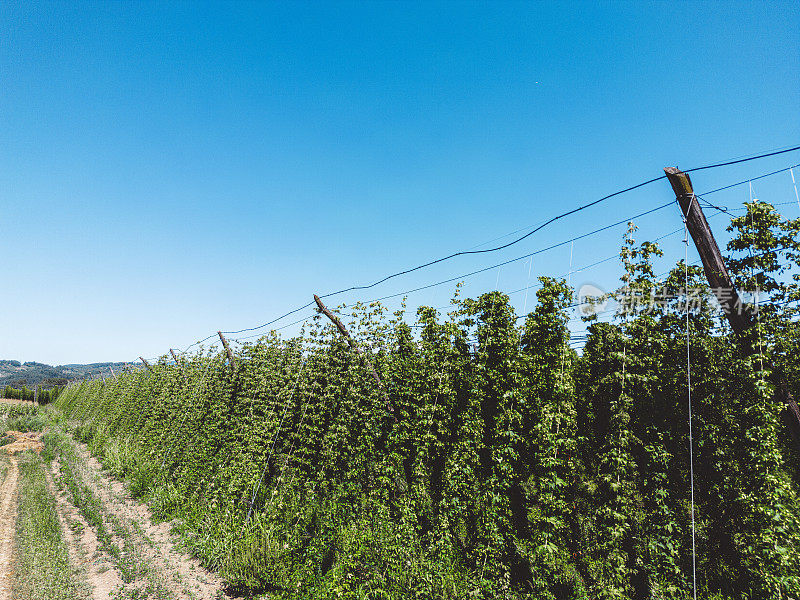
<point>21,417</point>
<point>3,467</point>
<point>42,570</point>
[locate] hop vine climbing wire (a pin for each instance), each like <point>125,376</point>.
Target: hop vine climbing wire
<point>186,414</point>
<point>274,440</point>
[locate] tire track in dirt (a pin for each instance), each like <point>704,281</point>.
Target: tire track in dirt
<point>183,575</point>
<point>82,544</point>
<point>8,517</point>
<point>116,567</point>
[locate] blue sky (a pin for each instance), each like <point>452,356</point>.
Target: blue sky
<point>170,169</point>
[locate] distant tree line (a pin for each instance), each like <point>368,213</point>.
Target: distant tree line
<point>44,396</point>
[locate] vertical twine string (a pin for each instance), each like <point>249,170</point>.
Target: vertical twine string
<point>689,393</point>
<point>274,440</point>
<point>197,389</point>
<point>794,183</point>
<point>528,285</point>
<point>621,392</point>
<point>755,303</point>
<point>433,411</point>
<point>564,350</point>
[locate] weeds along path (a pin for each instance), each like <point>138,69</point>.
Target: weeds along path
<point>85,553</point>
<point>141,553</point>
<point>8,513</point>
<point>43,565</point>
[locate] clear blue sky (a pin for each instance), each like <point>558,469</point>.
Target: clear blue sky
<point>170,169</point>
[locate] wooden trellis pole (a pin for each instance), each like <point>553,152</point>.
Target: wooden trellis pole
<point>231,358</point>
<point>175,357</point>
<point>354,346</point>
<point>720,280</point>
<point>713,264</point>
<point>146,364</point>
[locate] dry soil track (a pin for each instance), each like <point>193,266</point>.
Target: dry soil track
<point>145,561</point>
<point>180,576</point>
<point>83,546</point>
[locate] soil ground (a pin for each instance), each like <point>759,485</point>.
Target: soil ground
<point>115,549</point>
<point>30,440</point>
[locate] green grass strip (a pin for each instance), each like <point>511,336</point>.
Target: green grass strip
<point>42,570</point>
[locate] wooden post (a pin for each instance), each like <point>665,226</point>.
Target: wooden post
<point>720,281</point>
<point>713,264</point>
<point>231,358</point>
<point>175,358</point>
<point>36,395</point>
<point>340,326</point>
<point>146,364</point>
<point>110,368</point>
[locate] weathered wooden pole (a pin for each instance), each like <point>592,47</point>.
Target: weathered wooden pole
<point>110,368</point>
<point>340,326</point>
<point>713,263</point>
<point>146,364</point>
<point>231,358</point>
<point>720,281</point>
<point>174,357</point>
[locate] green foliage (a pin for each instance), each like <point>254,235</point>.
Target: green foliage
<point>21,417</point>
<point>508,466</point>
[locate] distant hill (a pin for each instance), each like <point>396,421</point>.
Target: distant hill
<point>12,372</point>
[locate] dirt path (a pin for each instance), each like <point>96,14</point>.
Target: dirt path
<point>174,572</point>
<point>30,440</point>
<point>121,553</point>
<point>83,546</point>
<point>8,513</point>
